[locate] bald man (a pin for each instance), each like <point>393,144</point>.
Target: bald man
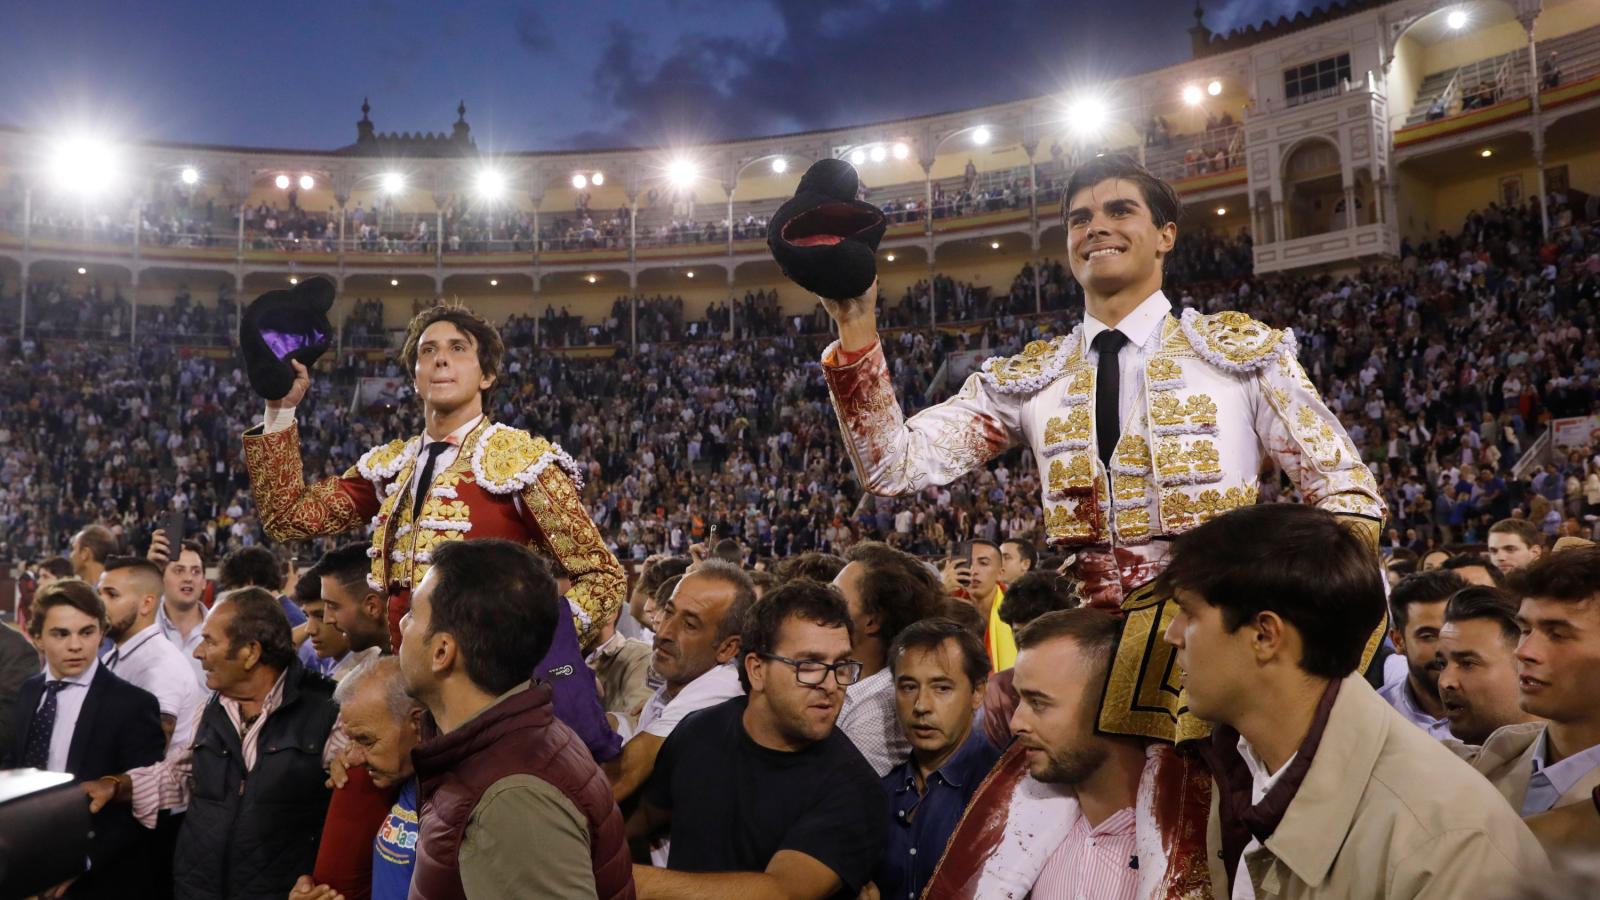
<point>131,590</point>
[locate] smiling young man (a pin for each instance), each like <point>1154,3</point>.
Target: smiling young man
<point>1143,423</point>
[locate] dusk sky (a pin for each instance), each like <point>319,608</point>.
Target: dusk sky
<point>562,74</point>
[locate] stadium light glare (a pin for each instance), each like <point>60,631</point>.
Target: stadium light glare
<point>1214,88</point>
<point>1457,19</point>
<point>190,176</point>
<point>592,279</point>
<point>1087,115</point>
<point>293,280</point>
<point>889,257</point>
<point>994,245</point>
<point>490,184</point>
<point>981,136</point>
<point>1486,153</point>
<point>84,165</point>
<point>597,179</point>
<point>1191,95</point>
<point>879,154</point>
<point>392,182</point>
<point>857,157</point>
<point>494,282</point>
<point>394,282</point>
<point>682,172</point>
<point>579,182</point>
<point>281,182</point>
<point>901,151</point>
<point>307,182</point>
<point>82,270</point>
<point>690,273</point>
<point>780,166</point>
<point>1222,210</point>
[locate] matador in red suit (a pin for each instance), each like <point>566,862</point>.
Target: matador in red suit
<point>465,477</point>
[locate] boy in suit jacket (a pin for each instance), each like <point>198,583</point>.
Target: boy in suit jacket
<point>77,717</point>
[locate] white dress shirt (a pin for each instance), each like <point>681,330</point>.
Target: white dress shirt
<point>660,715</point>
<point>1142,328</point>
<point>69,703</point>
<point>1550,781</point>
<point>185,645</point>
<point>1261,781</point>
<point>871,722</point>
<point>149,661</point>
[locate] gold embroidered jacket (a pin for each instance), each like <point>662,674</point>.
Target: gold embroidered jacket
<point>504,483</point>
<point>1221,392</point>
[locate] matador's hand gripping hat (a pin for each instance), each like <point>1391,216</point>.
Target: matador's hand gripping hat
<point>280,326</point>
<point>824,239</point>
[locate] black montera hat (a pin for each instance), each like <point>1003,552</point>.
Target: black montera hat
<point>279,326</point>
<point>824,239</point>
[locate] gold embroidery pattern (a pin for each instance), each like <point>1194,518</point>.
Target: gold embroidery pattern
<point>1163,373</point>
<point>1080,388</point>
<point>1172,464</point>
<point>1070,433</point>
<point>598,583</point>
<point>1235,337</point>
<point>290,509</point>
<point>1130,490</point>
<point>1317,435</point>
<point>1132,456</point>
<point>1073,474</point>
<point>509,452</point>
<point>1172,416</point>
<point>1031,369</point>
<point>1133,525</point>
<point>1180,512</point>
<point>1063,525</point>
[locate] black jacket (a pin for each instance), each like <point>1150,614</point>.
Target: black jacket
<point>250,834</point>
<point>18,662</point>
<point>119,728</point>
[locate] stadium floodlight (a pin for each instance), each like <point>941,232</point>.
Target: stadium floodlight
<point>690,273</point>
<point>857,157</point>
<point>281,182</point>
<point>394,282</point>
<point>1222,210</point>
<point>780,166</point>
<point>889,257</point>
<point>592,279</point>
<point>307,182</point>
<point>1214,88</point>
<point>1486,153</point>
<point>490,184</point>
<point>901,151</point>
<point>82,270</point>
<point>682,172</point>
<point>1457,19</point>
<point>879,154</point>
<point>994,245</point>
<point>392,182</point>
<point>293,280</point>
<point>1087,116</point>
<point>597,179</point>
<point>494,282</point>
<point>1192,95</point>
<point>579,181</point>
<point>190,176</point>
<point>981,135</point>
<point>84,165</point>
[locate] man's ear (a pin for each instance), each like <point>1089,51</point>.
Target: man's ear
<point>1398,638</point>
<point>375,606</point>
<point>1167,237</point>
<point>754,669</point>
<point>1270,635</point>
<point>443,653</point>
<point>728,648</point>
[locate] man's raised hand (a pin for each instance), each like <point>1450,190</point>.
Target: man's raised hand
<point>297,391</point>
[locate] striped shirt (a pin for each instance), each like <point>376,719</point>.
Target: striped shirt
<point>166,784</point>
<point>1093,863</point>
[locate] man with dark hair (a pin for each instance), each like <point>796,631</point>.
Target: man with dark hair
<point>183,588</point>
<point>79,718</point>
<point>762,796</point>
<point>265,735</point>
<point>819,567</point>
<point>349,603</point>
<point>729,551</point>
<point>644,590</point>
<point>257,567</point>
<point>1478,680</point>
<point>1320,789</point>
<point>1539,766</point>
<point>1033,595</point>
<point>510,801</point>
<point>981,565</point>
<point>939,670</point>
<point>1514,543</point>
<point>886,590</point>
<point>464,478</point>
<point>1416,613</point>
<point>1475,568</point>
<point>696,645</point>
<point>1017,558</point>
<point>130,588</point>
<point>1143,424</point>
<point>89,550</point>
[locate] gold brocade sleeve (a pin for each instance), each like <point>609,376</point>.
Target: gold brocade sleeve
<point>292,510</point>
<point>599,584</point>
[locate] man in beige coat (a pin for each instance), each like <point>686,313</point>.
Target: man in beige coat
<point>1320,789</point>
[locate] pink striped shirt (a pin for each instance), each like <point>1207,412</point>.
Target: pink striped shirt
<point>166,784</point>
<point>1092,863</point>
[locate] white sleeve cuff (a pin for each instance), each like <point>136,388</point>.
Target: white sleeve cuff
<point>277,419</point>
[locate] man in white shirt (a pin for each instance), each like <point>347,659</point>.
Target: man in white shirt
<point>695,646</point>
<point>183,585</point>
<point>1416,612</point>
<point>131,589</point>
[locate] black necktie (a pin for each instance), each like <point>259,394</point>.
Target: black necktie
<point>37,754</point>
<point>434,449</point>
<point>1107,389</point>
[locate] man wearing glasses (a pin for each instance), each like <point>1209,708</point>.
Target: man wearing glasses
<point>760,794</point>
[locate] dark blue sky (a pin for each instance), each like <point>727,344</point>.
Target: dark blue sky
<point>560,74</point>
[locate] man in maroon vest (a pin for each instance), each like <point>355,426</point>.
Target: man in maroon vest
<point>511,803</point>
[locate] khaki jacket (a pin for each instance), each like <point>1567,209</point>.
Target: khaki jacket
<point>1506,759</point>
<point>1386,811</point>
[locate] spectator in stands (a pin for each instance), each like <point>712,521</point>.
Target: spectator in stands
<point>1017,558</point>
<point>885,590</point>
<point>79,718</point>
<point>1416,613</point>
<point>1275,605</point>
<point>237,837</point>
<point>183,586</point>
<point>1549,71</point>
<point>761,794</point>
<point>1030,597</point>
<point>130,589</point>
<point>1478,679</point>
<point>349,604</point>
<point>91,547</point>
<point>986,595</point>
<point>696,648</point>
<point>1542,765</point>
<point>1474,568</point>
<point>511,801</point>
<point>1513,544</point>
<point>939,671</point>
